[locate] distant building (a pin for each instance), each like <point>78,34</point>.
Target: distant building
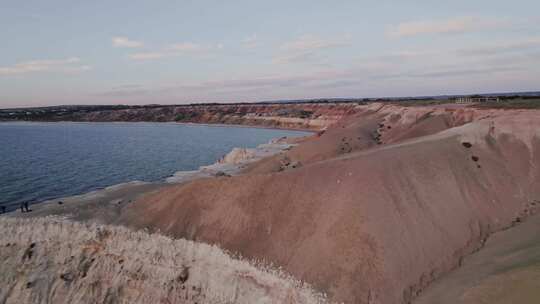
<point>474,99</point>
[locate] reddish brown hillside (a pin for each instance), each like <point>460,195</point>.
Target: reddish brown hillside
<point>414,191</point>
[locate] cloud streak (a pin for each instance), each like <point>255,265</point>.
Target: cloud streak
<point>322,80</point>
<point>450,73</point>
<point>185,47</point>
<point>311,43</point>
<point>174,50</point>
<point>502,48</point>
<point>457,25</point>
<point>294,58</point>
<point>150,55</point>
<point>124,42</point>
<point>250,42</point>
<point>68,65</point>
<point>307,48</point>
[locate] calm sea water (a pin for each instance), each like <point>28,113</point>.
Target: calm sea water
<point>48,160</point>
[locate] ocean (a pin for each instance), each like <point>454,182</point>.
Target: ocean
<point>40,161</point>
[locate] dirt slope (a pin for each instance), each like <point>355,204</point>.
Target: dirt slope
<point>375,223</point>
<point>506,270</point>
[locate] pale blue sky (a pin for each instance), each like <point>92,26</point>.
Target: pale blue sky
<point>143,51</point>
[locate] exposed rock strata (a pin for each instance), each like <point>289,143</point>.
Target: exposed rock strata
<point>313,116</point>
<point>374,220</point>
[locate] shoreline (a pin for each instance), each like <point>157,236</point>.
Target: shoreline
<point>230,164</point>
<point>308,130</point>
<point>234,162</point>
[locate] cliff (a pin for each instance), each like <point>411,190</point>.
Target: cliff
<point>384,201</point>
<point>375,208</point>
<point>313,116</point>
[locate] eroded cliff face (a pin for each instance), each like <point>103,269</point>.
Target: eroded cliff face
<point>48,260</point>
<point>384,202</point>
<point>295,116</point>
<point>372,210</point>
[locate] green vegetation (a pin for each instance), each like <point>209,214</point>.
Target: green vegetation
<point>421,102</point>
<point>185,116</point>
<point>505,102</point>
<point>305,114</point>
<point>521,103</point>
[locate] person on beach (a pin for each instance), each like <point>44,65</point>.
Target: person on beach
<point>24,207</point>
<point>3,210</point>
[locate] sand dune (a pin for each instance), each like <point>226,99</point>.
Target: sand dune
<point>376,208</point>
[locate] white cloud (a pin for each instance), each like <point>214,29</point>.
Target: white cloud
<point>174,50</point>
<point>185,47</point>
<point>310,43</point>
<point>250,42</point>
<point>455,72</point>
<point>308,48</point>
<point>354,80</point>
<point>148,55</point>
<point>449,26</point>
<point>501,48</point>
<point>124,42</point>
<point>68,65</point>
<point>294,58</point>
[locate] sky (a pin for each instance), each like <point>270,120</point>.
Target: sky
<point>171,52</point>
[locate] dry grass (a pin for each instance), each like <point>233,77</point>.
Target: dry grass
<point>50,260</point>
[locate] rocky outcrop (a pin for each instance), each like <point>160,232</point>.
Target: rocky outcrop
<point>237,155</point>
<point>48,260</point>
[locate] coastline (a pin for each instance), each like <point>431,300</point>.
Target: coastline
<point>233,162</point>
<point>222,125</point>
<point>247,126</point>
<point>113,198</point>
<point>345,184</point>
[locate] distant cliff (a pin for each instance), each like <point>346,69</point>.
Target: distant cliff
<point>314,116</point>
